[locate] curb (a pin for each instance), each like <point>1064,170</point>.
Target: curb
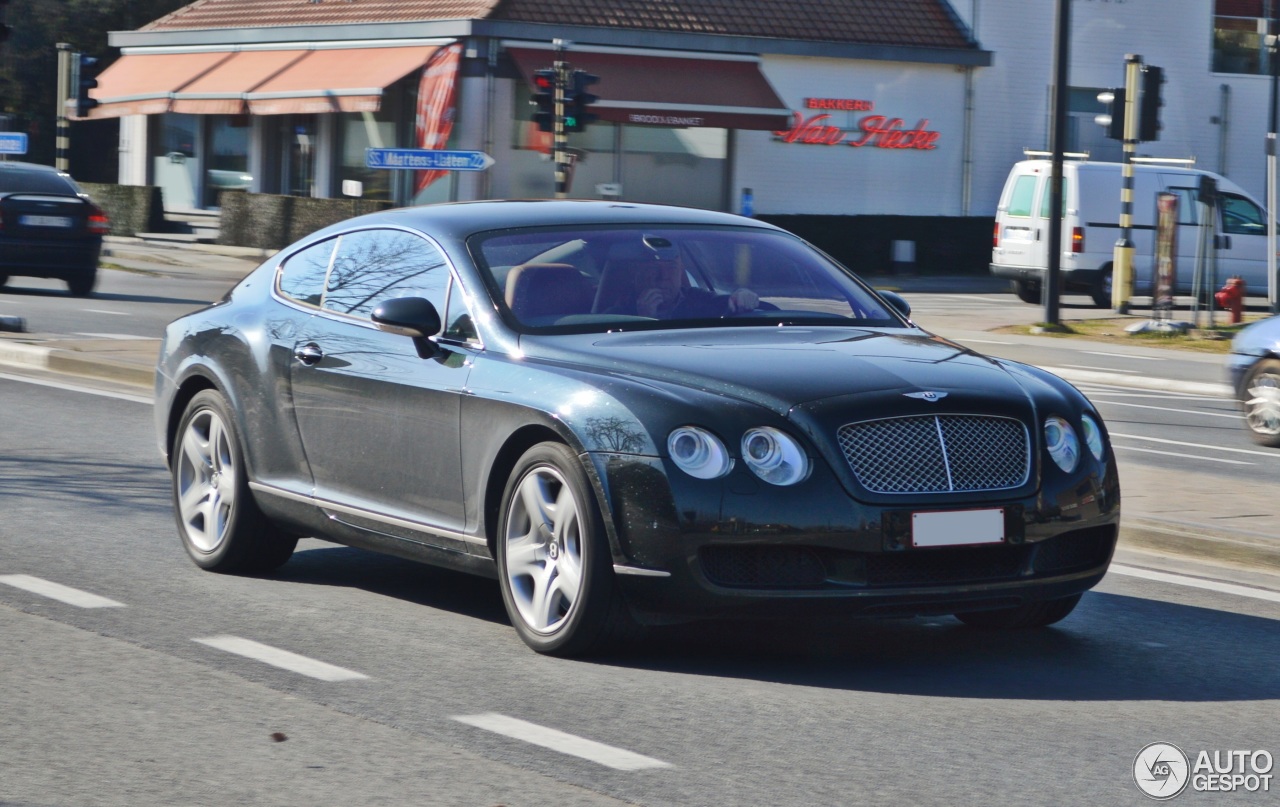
<point>73,363</point>
<point>1201,542</point>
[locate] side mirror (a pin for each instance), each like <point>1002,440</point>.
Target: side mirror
<point>407,316</point>
<point>894,299</point>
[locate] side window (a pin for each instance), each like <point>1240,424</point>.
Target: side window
<point>1022,196</point>
<point>1044,197</point>
<point>375,265</point>
<point>302,276</point>
<point>1240,216</point>
<point>1188,205</point>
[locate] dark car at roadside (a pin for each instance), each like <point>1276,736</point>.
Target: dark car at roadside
<point>629,415</point>
<point>48,227</point>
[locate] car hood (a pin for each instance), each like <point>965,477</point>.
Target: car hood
<point>782,367</point>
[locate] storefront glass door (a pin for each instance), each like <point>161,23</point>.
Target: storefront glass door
<point>298,158</point>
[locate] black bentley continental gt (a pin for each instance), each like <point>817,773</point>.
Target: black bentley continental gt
<point>629,415</point>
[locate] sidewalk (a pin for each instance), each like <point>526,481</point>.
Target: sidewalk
<point>1163,512</point>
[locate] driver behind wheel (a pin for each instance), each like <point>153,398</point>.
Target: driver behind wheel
<point>663,293</point>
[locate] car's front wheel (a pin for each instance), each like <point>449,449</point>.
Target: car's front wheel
<point>218,521</point>
<point>1261,402</point>
<point>554,564</point>
<point>1035,615</point>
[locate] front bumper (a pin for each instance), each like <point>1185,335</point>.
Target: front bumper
<point>742,548</point>
<point>1072,278</point>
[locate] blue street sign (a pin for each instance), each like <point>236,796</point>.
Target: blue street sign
<point>427,159</point>
<point>13,143</point>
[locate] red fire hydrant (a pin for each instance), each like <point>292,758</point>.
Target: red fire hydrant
<point>1231,298</point>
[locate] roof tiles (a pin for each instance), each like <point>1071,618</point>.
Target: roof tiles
<point>923,23</point>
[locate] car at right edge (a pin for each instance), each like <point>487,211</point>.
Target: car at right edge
<point>1254,371</point>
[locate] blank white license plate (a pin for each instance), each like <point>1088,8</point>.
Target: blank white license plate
<point>957,528</point>
<point>45,221</point>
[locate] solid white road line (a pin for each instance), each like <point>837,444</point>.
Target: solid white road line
<point>281,658</point>
<point>59,592</point>
<point>1179,411</point>
<point>1271,454</point>
<point>123,396</point>
<point>559,741</point>
<point>1123,355</point>
<point>1184,456</point>
<point>1196,582</point>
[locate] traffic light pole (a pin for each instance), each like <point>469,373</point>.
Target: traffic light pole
<point>62,157</point>
<point>1122,257</point>
<point>561,136</point>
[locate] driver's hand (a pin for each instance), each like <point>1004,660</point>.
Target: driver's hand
<point>649,303</point>
<point>743,300</point>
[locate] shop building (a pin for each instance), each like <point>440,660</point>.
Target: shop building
<point>813,106</point>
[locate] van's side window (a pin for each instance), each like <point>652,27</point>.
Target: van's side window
<point>1023,196</point>
<point>1188,205</point>
<point>1240,216</point>
<point>1044,197</point>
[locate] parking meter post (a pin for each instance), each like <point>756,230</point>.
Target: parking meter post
<point>1122,257</point>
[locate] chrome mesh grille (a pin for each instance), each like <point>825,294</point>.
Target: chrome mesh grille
<point>937,453</point>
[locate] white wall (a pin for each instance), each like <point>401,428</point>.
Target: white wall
<point>840,179</point>
<point>1011,96</point>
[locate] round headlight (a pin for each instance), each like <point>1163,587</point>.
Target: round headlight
<point>1060,439</point>
<point>1092,436</point>
<point>698,452</point>
<point>774,456</point>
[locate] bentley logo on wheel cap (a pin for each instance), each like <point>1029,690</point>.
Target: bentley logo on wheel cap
<point>928,395</point>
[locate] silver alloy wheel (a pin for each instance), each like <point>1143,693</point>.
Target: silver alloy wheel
<point>206,481</point>
<point>544,546</point>
<point>1262,407</point>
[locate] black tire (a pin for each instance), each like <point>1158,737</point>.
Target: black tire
<point>82,285</point>
<point>1035,615</point>
<point>219,523</point>
<point>561,549</point>
<point>1260,400</point>
<point>1101,290</point>
<point>1028,291</point>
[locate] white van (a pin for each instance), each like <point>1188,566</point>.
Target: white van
<point>1091,227</point>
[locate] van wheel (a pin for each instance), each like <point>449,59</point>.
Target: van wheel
<point>1101,292</point>
<point>1027,291</point>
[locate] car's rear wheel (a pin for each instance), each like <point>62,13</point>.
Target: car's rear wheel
<point>1027,291</point>
<point>554,564</point>
<point>82,285</point>
<point>1035,615</point>
<point>1261,402</point>
<point>1101,291</point>
<point>218,521</point>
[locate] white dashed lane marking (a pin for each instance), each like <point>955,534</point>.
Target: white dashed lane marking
<point>281,658</point>
<point>561,742</point>
<point>57,591</point>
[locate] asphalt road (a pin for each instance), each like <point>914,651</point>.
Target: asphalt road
<point>144,702</point>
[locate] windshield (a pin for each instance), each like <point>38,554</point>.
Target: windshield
<point>593,279</point>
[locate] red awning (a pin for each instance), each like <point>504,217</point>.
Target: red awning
<point>143,83</point>
<point>677,91</point>
<point>336,80</point>
<point>222,90</point>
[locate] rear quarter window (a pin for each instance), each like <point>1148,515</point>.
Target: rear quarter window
<point>1022,197</point>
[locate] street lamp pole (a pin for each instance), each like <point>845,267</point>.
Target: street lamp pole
<point>1061,61</point>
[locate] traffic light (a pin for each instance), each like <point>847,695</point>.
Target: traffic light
<point>544,98</point>
<point>83,83</point>
<point>577,101</point>
<point>1113,118</point>
<point>1149,119</point>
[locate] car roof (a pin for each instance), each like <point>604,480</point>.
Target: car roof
<point>8,165</point>
<point>461,219</point>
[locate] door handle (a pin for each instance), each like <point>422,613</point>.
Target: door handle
<point>308,354</point>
